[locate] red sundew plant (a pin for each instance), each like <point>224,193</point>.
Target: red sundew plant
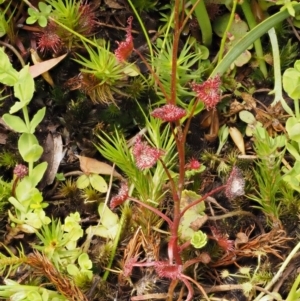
<point>222,240</point>
<point>146,156</point>
<point>79,17</point>
<point>193,164</point>
<point>209,92</point>
<point>48,40</point>
<point>169,113</point>
<point>174,267</point>
<point>125,47</point>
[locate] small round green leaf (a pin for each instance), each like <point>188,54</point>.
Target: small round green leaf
<point>83,182</point>
<point>42,20</point>
<point>84,261</point>
<point>31,20</point>
<point>98,183</point>
<point>294,132</point>
<point>29,147</point>
<point>72,269</point>
<point>247,117</point>
<point>33,153</point>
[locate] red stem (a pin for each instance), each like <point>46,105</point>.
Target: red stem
<point>201,199</point>
<point>154,75</point>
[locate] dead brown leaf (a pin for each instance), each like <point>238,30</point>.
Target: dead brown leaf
<point>45,66</point>
<point>90,165</point>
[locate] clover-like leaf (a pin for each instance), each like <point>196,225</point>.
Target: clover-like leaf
<point>72,269</point>
<point>83,182</point>
<point>44,8</point>
<point>98,183</point>
<point>84,261</point>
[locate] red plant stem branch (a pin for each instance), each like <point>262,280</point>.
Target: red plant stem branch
<point>156,211</point>
<point>154,75</point>
<point>201,199</point>
<point>173,247</point>
<point>184,246</point>
<point>197,284</point>
<point>185,279</point>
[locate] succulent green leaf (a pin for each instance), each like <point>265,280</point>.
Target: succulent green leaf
<point>38,173</point>
<point>131,70</point>
<point>84,261</point>
<point>72,269</point>
<point>108,218</point>
<point>238,28</point>
<point>24,88</point>
<point>37,118</point>
<point>291,81</point>
<point>31,19</point>
<point>199,239</point>
<point>15,123</point>
<point>42,20</point>
<point>83,182</point>
<point>23,189</point>
<point>293,151</point>
<point>17,107</point>
<point>29,147</point>
<point>13,219</point>
<point>247,117</point>
<point>98,183</point>
<point>293,128</point>
<point>8,75</point>
<point>44,8</point>
<point>17,204</point>
<point>189,196</point>
<point>193,217</point>
<point>103,231</point>
<point>292,177</point>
